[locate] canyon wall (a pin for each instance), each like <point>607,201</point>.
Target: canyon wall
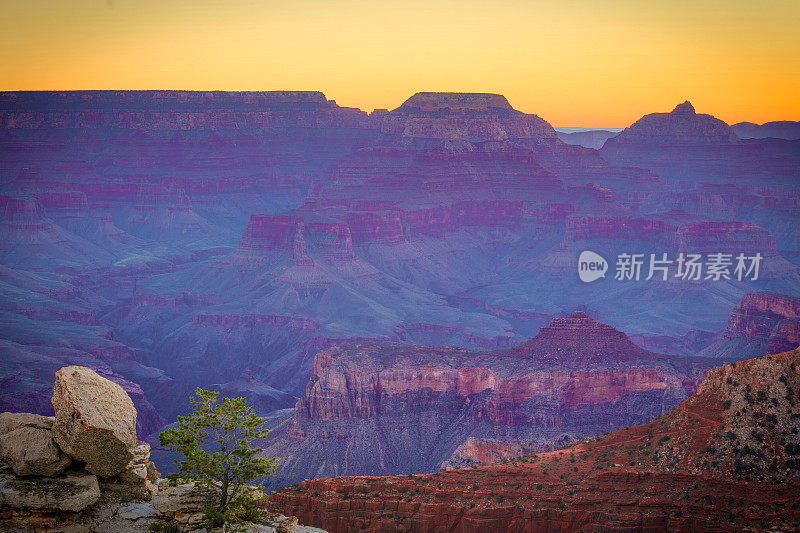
<point>170,239</point>
<point>387,408</point>
<point>700,465</point>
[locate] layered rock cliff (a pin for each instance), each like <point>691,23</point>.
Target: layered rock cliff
<point>468,116</point>
<point>726,455</point>
<point>762,322</point>
<point>171,239</point>
<point>174,110</point>
<point>683,125</point>
<point>388,408</point>
<point>689,147</point>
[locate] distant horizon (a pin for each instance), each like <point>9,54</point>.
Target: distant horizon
<point>560,128</point>
<point>582,63</point>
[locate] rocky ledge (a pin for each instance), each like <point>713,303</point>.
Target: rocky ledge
<point>84,469</point>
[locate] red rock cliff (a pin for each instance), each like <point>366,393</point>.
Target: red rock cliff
<point>391,407</point>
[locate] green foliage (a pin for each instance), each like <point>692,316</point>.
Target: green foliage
<point>164,527</point>
<point>241,509</point>
<point>152,473</point>
<point>216,442</point>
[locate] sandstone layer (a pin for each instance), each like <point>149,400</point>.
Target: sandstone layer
<point>378,408</point>
<point>726,455</point>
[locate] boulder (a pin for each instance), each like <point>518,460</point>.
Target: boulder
<point>132,482</point>
<point>73,491</point>
<point>95,420</point>
<point>27,445</point>
<point>184,498</point>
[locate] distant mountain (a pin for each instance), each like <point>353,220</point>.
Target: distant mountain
<point>466,116</point>
<point>588,139</point>
<point>779,129</point>
<point>726,458</point>
<point>688,148</point>
<point>682,125</point>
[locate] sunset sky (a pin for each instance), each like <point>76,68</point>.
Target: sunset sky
<point>573,62</point>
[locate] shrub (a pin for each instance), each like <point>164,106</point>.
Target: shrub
<point>164,527</point>
<point>232,462</point>
<point>152,473</point>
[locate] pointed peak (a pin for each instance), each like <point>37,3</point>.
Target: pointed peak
<point>578,314</point>
<point>686,108</point>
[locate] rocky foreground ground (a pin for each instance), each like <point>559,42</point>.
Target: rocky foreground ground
<point>84,469</point>
<point>726,459</point>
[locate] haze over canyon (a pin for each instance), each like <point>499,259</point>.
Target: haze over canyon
<point>397,291</point>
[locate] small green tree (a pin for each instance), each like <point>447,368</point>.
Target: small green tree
<point>228,462</point>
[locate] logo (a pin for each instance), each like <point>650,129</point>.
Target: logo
<point>685,266</point>
<point>591,266</point>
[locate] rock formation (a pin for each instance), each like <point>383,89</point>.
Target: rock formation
<point>174,239</point>
<point>689,147</point>
<point>779,129</point>
<point>43,488</point>
<point>27,445</point>
<point>72,491</point>
<point>57,461</point>
<point>468,116</point>
<point>761,323</point>
<point>726,455</point>
<point>95,420</point>
<point>588,139</point>
<point>681,125</point>
<point>388,408</point>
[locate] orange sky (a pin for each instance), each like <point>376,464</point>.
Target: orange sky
<point>573,62</point>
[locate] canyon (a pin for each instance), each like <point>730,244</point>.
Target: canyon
<point>175,239</point>
<point>382,408</point>
<point>726,456</point>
